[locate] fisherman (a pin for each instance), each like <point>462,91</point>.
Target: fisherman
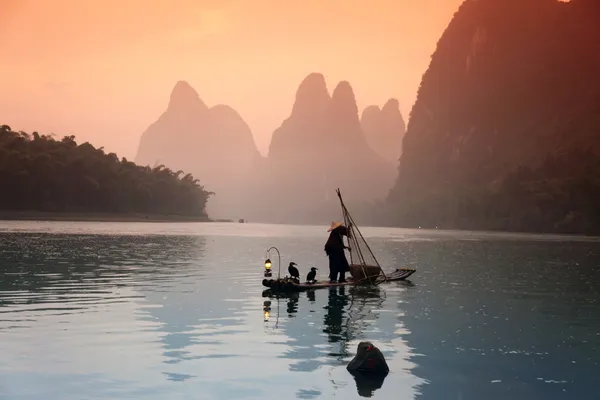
<point>334,248</point>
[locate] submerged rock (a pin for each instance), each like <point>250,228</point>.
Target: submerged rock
<point>369,360</point>
<point>368,368</point>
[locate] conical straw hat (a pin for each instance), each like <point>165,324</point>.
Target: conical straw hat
<point>334,225</point>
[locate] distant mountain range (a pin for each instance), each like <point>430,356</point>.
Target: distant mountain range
<point>504,135</point>
<point>214,144</point>
<point>320,146</point>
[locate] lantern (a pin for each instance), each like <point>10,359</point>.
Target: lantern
<point>268,268</point>
<point>268,262</point>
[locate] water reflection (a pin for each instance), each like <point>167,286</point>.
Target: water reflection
<point>365,302</point>
<point>310,294</point>
<point>346,316</point>
<point>83,270</point>
<point>267,310</point>
<point>334,327</point>
<point>151,316</point>
<point>84,293</point>
<point>520,320</point>
<point>147,313</point>
<point>366,384</point>
<point>292,304</point>
<point>200,316</point>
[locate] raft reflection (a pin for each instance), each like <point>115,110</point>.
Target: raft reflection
<point>346,316</point>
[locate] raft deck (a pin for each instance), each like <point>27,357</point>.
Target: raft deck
<point>287,285</point>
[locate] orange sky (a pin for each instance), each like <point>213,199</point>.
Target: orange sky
<point>103,69</point>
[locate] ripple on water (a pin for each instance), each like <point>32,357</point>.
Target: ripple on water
<point>152,315</point>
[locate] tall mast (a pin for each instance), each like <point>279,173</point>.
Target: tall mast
<point>359,244</point>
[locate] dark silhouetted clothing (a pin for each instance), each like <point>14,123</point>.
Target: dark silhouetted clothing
<point>334,248</point>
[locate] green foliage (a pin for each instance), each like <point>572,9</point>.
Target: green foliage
<point>559,196</point>
<point>39,173</point>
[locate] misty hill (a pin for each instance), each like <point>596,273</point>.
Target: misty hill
<point>38,173</point>
<point>384,129</point>
<point>505,131</point>
<point>318,148</point>
<point>214,144</point>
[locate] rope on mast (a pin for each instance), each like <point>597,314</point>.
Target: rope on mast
<point>353,229</point>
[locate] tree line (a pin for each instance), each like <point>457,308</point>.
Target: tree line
<point>39,173</point>
<point>561,195</point>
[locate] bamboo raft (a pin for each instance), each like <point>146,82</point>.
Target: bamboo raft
<point>364,267</point>
<point>288,285</point>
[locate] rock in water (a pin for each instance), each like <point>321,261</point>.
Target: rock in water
<point>368,360</point>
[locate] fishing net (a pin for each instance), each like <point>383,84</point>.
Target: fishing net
<point>363,264</point>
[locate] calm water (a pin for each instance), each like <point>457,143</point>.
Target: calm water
<point>174,311</point>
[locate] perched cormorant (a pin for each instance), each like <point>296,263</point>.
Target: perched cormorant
<point>310,277</point>
<point>294,273</point>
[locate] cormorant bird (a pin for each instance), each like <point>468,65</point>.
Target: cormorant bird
<point>310,277</point>
<point>294,273</point>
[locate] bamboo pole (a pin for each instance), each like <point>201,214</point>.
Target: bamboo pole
<point>349,222</point>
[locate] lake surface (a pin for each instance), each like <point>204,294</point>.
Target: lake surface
<point>177,311</point>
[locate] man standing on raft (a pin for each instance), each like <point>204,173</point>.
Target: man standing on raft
<point>334,248</point>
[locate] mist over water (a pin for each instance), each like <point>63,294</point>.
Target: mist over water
<point>126,310</point>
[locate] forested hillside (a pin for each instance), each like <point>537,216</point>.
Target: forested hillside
<point>39,173</point>
<point>505,132</point>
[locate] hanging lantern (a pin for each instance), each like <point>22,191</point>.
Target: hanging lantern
<point>268,262</point>
<point>268,268</point>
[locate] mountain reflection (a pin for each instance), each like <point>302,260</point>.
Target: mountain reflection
<point>197,312</point>
<point>78,272</point>
<point>180,312</point>
<point>64,268</point>
<point>513,329</point>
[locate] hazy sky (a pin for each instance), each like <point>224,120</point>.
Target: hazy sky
<point>103,70</point>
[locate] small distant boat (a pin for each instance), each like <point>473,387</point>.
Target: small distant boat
<point>364,267</point>
<point>241,220</point>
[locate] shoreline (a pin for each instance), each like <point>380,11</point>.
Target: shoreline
<point>50,216</point>
<point>98,217</point>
